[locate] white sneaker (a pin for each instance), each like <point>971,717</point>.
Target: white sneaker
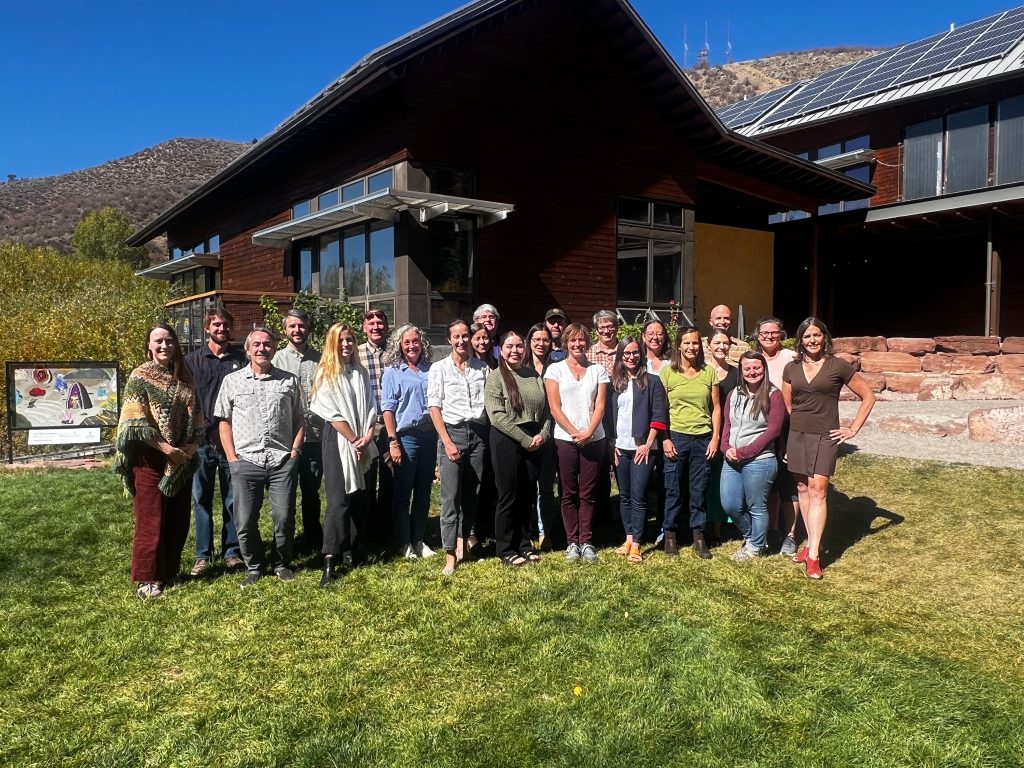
<point>409,553</point>
<point>422,550</point>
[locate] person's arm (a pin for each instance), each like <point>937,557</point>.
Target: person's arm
<point>727,448</point>
<point>391,428</point>
<point>787,395</point>
<point>435,400</point>
<point>496,405</point>
<point>716,420</point>
<point>667,446</point>
<point>776,418</point>
<point>298,419</point>
<point>227,440</point>
<point>451,450</point>
<point>860,388</point>
<point>598,415</point>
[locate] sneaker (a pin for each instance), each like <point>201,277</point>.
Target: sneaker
<point>148,590</point>
<point>745,554</point>
<point>588,553</point>
<point>572,552</point>
<point>660,538</point>
<point>199,567</point>
<point>284,573</point>
<point>788,548</point>
<point>422,550</point>
<point>408,552</point>
<point>233,563</point>
<point>251,578</point>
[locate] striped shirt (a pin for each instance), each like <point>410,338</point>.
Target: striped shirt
<point>372,358</point>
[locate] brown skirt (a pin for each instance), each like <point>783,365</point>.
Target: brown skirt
<point>811,454</point>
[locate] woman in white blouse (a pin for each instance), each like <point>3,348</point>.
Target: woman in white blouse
<point>343,397</point>
<point>576,391</point>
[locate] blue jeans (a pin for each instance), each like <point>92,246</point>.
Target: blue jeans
<point>413,479</point>
<point>213,463</point>
<point>744,496</point>
<point>632,479</point>
<point>251,480</point>
<point>686,479</point>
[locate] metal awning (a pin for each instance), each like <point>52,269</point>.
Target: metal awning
<point>846,159</point>
<point>166,269</point>
<point>384,205</point>
<point>960,201</point>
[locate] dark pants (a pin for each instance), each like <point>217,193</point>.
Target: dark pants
<point>251,480</point>
<point>311,472</point>
<point>515,473</point>
<point>578,468</point>
<point>414,477</point>
<point>632,479</point>
<point>161,522</point>
<point>376,501</point>
<point>547,515</point>
<point>603,494</point>
<point>213,463</point>
<point>343,521</point>
<point>460,481</point>
<point>686,480</point>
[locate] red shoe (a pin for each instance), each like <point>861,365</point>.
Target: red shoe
<point>801,556</point>
<point>813,569</point>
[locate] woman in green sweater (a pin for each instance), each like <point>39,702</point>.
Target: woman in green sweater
<point>520,424</point>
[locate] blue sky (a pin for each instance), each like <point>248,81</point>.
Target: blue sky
<point>83,83</point>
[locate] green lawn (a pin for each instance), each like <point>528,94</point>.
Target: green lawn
<point>909,653</point>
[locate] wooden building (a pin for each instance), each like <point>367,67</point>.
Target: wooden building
<point>937,126</point>
<point>528,153</point>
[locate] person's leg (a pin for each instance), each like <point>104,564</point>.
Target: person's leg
<point>148,506</point>
<point>451,487</point>
<point>203,483</point>
<point>311,472</point>
<point>230,548</point>
<point>591,466</point>
<point>817,512</point>
<point>282,484</point>
<point>568,472</point>
<point>426,460</point>
<point>757,479</point>
<point>623,476</point>
<point>378,520</point>
<point>640,477</point>
<point>405,477</point>
<point>506,480</point>
<point>546,490</point>
<point>472,479</point>
<point>731,489</point>
<point>674,471</point>
<point>248,483</point>
<point>334,533</point>
<point>698,481</point>
<point>529,465</point>
<point>178,512</point>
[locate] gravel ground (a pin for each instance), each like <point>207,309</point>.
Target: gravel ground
<point>915,445</point>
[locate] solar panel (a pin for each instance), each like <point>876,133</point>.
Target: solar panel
<point>807,94</point>
<point>997,42</point>
<point>940,58</point>
<point>895,66</point>
<point>745,112</point>
<point>838,90</point>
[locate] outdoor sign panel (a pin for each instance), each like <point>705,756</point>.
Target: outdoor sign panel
<point>67,436</point>
<point>62,394</point>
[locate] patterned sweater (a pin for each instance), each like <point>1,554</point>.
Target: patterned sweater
<point>155,405</point>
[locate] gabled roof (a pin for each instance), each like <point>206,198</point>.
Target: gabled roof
<point>633,42</point>
<point>979,50</point>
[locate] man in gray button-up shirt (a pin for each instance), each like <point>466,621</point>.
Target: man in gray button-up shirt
<point>261,430</point>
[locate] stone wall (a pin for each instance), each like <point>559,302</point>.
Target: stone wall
<point>943,368</point>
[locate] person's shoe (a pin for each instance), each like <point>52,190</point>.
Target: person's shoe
<point>801,556</point>
<point>251,578</point>
<point>199,567</point>
<point>325,580</point>
<point>745,554</point>
<point>233,563</point>
<point>623,549</point>
<point>700,547</point>
<point>813,569</point>
<point>660,538</point>
<point>422,550</point>
<point>671,545</point>
<point>572,552</point>
<point>408,552</point>
<point>588,553</point>
<point>635,556</point>
<point>284,573</point>
<point>788,548</point>
<point>148,590</point>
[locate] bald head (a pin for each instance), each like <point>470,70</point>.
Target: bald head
<point>721,318</point>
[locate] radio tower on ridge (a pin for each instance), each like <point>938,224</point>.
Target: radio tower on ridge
<point>703,53</point>
<point>728,43</point>
<point>686,49</point>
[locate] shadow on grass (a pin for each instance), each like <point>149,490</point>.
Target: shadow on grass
<point>852,519</point>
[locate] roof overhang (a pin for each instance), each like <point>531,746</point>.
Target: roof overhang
<point>946,204</point>
<point>847,159</point>
<point>167,269</point>
<point>384,205</point>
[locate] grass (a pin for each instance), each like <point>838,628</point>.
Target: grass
<point>909,653</point>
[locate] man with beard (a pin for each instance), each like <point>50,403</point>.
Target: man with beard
<point>377,515</point>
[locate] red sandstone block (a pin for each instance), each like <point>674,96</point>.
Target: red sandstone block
<point>936,388</point>
<point>997,425</point>
<point>968,345</point>
<point>937,362</point>
<point>853,360</point>
<point>854,345</point>
<point>911,346</point>
<point>1013,345</point>
<point>907,383</point>
<point>962,365</point>
<point>1010,363</point>
<point>898,362</point>
<point>920,425</point>
<point>989,386</point>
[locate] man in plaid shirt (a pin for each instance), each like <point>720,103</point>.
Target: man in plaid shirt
<point>377,516</point>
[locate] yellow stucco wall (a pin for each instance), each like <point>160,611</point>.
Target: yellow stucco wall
<point>732,266</point>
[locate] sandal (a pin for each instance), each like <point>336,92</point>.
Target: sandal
<point>634,554</point>
<point>514,560</point>
<point>531,555</point>
<point>623,549</point>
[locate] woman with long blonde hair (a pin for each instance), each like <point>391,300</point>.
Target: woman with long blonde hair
<point>342,396</point>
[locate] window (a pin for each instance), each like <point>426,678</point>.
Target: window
<point>967,149</point>
<point>380,181</point>
<point>195,281</point>
<point>1010,141</point>
<point>947,155</point>
<point>649,253</point>
<point>344,193</point>
<point>451,250</point>
<point>861,172</point>
<point>329,266</point>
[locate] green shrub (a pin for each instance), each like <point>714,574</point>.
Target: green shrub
<point>323,313</point>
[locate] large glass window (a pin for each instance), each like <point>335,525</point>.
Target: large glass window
<point>947,155</point>
<point>922,159</point>
<point>305,271</point>
<point>382,259</point>
<point>359,260</point>
<point>1010,141</point>
<point>649,253</point>
<point>355,261</point>
<point>967,149</point>
<point>330,268</point>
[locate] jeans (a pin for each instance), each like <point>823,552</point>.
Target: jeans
<point>686,480</point>
<point>413,479</point>
<point>211,464</point>
<point>250,481</point>
<point>632,479</point>
<point>460,481</point>
<point>744,496</point>
<point>311,472</point>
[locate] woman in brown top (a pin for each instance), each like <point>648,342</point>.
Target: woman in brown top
<point>810,386</point>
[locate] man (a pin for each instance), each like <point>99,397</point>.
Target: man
<point>377,515</point>
<point>721,320</point>
<point>209,365</point>
<point>606,323</point>
<point>556,320</point>
<point>261,428</point>
<point>300,360</point>
<point>488,317</point>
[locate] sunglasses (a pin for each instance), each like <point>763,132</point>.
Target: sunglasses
<point>375,316</point>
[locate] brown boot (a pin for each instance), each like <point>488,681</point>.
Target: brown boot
<point>700,548</point>
<point>671,547</point>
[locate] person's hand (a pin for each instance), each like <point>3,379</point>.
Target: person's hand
<point>580,438</point>
<point>643,453</point>
<point>842,434</point>
<point>669,448</point>
<point>359,443</point>
<point>712,450</point>
<point>395,451</point>
<point>190,449</point>
<point>536,443</point>
<point>176,456</point>
<point>616,457</point>
<point>732,456</point>
<point>451,450</point>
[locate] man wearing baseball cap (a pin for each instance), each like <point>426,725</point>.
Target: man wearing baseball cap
<point>555,320</point>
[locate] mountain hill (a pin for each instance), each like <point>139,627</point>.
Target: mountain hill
<point>44,211</point>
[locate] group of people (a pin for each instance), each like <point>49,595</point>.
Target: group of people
<point>702,424</point>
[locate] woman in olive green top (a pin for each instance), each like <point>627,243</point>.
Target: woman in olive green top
<point>520,424</point>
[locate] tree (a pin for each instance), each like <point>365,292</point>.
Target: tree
<point>323,312</point>
<point>104,234</point>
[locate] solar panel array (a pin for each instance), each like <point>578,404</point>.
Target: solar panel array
<point>974,43</point>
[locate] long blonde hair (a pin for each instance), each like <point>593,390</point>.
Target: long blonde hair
<point>331,363</point>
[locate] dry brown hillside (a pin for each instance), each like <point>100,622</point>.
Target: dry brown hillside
<point>729,83</point>
<point>44,211</point>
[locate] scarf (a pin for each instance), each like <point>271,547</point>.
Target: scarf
<point>348,398</point>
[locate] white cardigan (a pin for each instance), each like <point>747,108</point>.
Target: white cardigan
<point>349,398</point>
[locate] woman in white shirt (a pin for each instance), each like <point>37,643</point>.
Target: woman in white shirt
<point>577,390</point>
<point>342,396</point>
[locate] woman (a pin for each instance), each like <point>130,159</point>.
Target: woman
<point>639,413</point>
<point>538,340</point>
<point>342,396</point>
<point>520,426</point>
<point>483,347</point>
<point>538,356</point>
<point>811,385</point>
<point>719,345</point>
<point>576,391</point>
<point>655,338</point>
<point>754,413</point>
<point>694,429</point>
<point>157,439</point>
<point>412,441</point>
<point>455,397</point>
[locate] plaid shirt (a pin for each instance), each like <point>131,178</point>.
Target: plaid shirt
<point>597,355</point>
<point>372,359</point>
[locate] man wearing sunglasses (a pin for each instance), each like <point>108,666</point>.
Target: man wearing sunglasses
<point>377,516</point>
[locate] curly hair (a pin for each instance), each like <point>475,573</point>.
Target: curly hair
<point>393,352</point>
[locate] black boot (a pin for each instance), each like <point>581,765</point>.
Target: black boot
<point>325,580</point>
<point>671,546</point>
<point>700,548</point>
